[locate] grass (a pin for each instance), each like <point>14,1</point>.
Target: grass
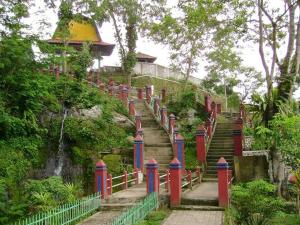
<point>156,217</point>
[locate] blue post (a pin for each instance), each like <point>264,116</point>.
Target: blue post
<point>152,176</point>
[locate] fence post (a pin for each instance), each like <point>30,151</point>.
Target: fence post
<point>111,82</point>
<point>156,105</point>
<point>136,176</point>
<point>189,178</point>
<point>167,180</point>
<point>101,178</point>
<point>139,153</point>
<point>200,144</point>
<point>148,94</point>
<point>131,108</point>
<point>140,94</point>
<point>238,140</point>
<point>207,100</point>
<point>172,120</point>
<point>175,183</point>
<point>138,123</point>
<point>163,113</point>
<point>198,174</point>
<point>208,128</point>
<point>223,191</point>
<point>109,184</point>
<point>163,94</point>
<point>125,180</point>
<point>179,150</point>
<point>152,176</point>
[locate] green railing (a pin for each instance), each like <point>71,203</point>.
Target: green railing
<point>138,212</point>
<point>65,214</point>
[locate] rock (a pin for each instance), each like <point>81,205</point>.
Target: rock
<point>122,120</point>
<point>92,113</point>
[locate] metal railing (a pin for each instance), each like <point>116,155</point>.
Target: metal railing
<point>138,212</point>
<point>65,214</point>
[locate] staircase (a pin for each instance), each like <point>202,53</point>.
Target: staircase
<point>156,141</point>
<point>222,145</point>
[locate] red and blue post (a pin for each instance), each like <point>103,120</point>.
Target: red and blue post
<point>101,179</point>
<point>223,186</point>
<point>200,144</point>
<point>138,153</point>
<point>179,150</point>
<point>152,179</point>
<point>238,140</point>
<point>175,182</point>
<point>172,120</point>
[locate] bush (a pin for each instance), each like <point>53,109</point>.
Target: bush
<point>286,219</point>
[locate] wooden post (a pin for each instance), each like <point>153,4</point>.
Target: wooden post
<point>136,176</point>
<point>219,108</point>
<point>223,188</point>
<point>198,174</point>
<point>101,179</point>
<point>57,73</point>
<point>139,153</point>
<point>175,183</point>
<point>214,110</point>
<point>152,176</point>
<point>189,178</point>
<point>200,144</point>
<point>125,96</point>
<point>163,94</point>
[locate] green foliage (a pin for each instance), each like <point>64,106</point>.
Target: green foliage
<point>156,217</point>
<point>286,219</point>
<point>255,202</point>
<point>114,164</point>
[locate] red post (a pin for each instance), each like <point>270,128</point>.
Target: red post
<point>163,94</point>
<point>152,178</point>
<point>156,105</point>
<point>189,179</point>
<point>148,94</point>
<point>101,179</point>
<point>219,108</point>
<point>109,184</point>
<point>198,174</point>
<point>140,132</point>
<point>167,180</point>
<point>214,110</point>
<point>131,108</point>
<point>238,141</point>
<point>179,150</point>
<point>163,113</point>
<point>207,101</point>
<point>200,144</point>
<point>208,128</point>
<point>175,183</point>
<point>140,94</point>
<point>138,122</point>
<point>125,180</point>
<point>223,187</point>
<point>172,120</point>
<point>138,153</point>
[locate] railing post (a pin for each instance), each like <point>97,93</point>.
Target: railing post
<point>156,105</point>
<point>198,174</point>
<point>172,120</point>
<point>138,123</point>
<point>208,128</point>
<point>140,94</point>
<point>189,177</point>
<point>179,150</point>
<point>175,183</point>
<point>200,144</point>
<point>101,179</point>
<point>125,96</point>
<point>163,113</point>
<point>219,108</point>
<point>139,153</point>
<point>109,184</point>
<point>152,176</point>
<point>163,94</point>
<point>238,141</point>
<point>207,101</point>
<point>167,180</point>
<point>57,73</point>
<point>125,180</point>
<point>148,94</point>
<point>136,176</point>
<point>131,108</point>
<point>223,187</point>
<point>214,110</point>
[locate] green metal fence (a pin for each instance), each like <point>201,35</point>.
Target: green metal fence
<point>138,212</point>
<point>65,214</point>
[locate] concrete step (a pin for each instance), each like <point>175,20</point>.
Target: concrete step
<point>202,202</point>
<point>198,207</point>
<point>158,144</point>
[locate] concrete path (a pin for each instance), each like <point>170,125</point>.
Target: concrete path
<point>179,217</point>
<point>204,191</point>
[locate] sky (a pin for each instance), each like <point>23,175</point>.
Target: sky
<point>249,51</point>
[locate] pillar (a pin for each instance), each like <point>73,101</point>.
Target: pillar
<point>140,94</point>
<point>172,120</point>
<point>219,108</point>
<point>208,128</point>
<point>156,105</point>
<point>163,94</point>
<point>148,94</point>
<point>223,187</point>
<point>238,141</point>
<point>163,114</point>
<point>207,102</point>
<point>138,155</point>
<point>101,179</point>
<point>175,183</point>
<point>131,108</point>
<point>138,123</point>
<point>200,144</point>
<point>179,150</point>
<point>152,176</point>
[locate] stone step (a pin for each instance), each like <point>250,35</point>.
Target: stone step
<point>198,208</point>
<point>158,144</point>
<point>202,201</point>
<point>209,179</point>
<point>160,150</point>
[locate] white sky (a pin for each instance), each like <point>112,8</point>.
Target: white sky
<point>249,52</point>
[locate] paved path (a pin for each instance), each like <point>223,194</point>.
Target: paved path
<point>179,217</point>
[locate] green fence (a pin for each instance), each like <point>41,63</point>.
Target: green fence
<point>138,212</point>
<point>65,214</point>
